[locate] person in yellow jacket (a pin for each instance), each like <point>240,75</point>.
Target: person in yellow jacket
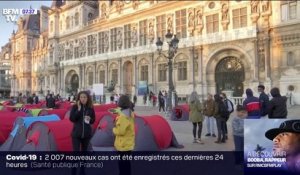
<point>124,134</point>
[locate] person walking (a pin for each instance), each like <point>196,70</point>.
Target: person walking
<point>209,108</point>
<point>230,109</point>
<point>277,106</point>
<point>124,132</point>
<point>50,101</point>
<point>195,116</point>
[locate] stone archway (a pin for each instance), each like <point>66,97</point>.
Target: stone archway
<point>127,77</point>
<point>215,59</point>
<point>72,82</point>
<point>230,75</point>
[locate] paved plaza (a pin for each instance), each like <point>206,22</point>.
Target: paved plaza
<point>183,131</point>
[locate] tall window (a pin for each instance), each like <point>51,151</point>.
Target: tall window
<point>113,39</point>
<point>144,73</point>
<point>127,36</point>
<point>76,19</point>
<point>182,70</point>
<point>91,45</point>
<point>143,33</point>
<point>90,78</point>
<point>68,22</point>
<point>68,54</point>
<point>101,42</point>
<point>76,52</point>
<point>162,72</point>
<point>114,75</point>
<point>288,10</point>
<point>239,17</point>
<point>161,26</point>
<point>102,76</point>
<point>181,23</point>
<point>212,23</point>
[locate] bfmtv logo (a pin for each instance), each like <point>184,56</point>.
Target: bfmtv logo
<point>11,15</point>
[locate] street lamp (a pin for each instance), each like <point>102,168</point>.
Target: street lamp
<point>172,41</point>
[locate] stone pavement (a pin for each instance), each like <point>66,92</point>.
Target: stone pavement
<point>183,131</point>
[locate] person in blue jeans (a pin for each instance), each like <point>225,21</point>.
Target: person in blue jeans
<point>238,130</point>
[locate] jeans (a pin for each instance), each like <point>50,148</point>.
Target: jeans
<point>238,143</point>
<point>210,123</point>
<point>221,129</point>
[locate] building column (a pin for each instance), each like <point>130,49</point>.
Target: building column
<point>267,53</point>
<point>83,76</point>
<point>256,68</point>
<point>201,70</point>
<point>136,85</point>
<point>80,77</point>
<point>62,81</point>
<point>120,77</point>
<point>193,56</point>
<point>107,74</point>
<point>152,68</point>
<point>95,71</point>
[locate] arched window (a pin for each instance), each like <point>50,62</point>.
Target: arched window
<point>76,19</point>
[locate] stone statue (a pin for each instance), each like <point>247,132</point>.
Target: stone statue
<point>106,41</point>
<point>265,5</point>
<point>103,11</point>
<point>254,4</point>
<point>134,36</point>
<point>119,39</point>
<point>224,12</point>
<point>199,17</point>
<point>151,31</point>
<point>191,19</point>
<point>170,23</point>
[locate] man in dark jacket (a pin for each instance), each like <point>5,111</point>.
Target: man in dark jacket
<point>50,102</point>
<point>263,99</point>
<point>252,105</point>
<point>277,106</point>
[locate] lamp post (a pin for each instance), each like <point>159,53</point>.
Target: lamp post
<point>172,42</point>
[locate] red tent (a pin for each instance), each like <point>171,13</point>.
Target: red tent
<point>7,120</point>
<point>60,112</point>
<point>104,107</point>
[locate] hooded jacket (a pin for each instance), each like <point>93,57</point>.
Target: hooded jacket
<point>252,104</point>
<point>277,106</point>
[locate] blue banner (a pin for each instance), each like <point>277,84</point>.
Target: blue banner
<point>142,88</point>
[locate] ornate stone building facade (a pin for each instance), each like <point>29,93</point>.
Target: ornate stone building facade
<point>5,61</point>
<point>224,45</point>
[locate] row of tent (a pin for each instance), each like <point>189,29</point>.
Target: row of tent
<point>52,131</point>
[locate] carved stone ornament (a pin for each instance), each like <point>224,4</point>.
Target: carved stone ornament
<point>254,6</point>
<point>225,15</point>
<point>120,37</point>
<point>191,21</point>
<point>104,11</point>
<point>134,37</point>
<point>135,4</point>
<point>151,30</point>
<point>199,19</point>
<point>170,22</point>
<point>119,6</point>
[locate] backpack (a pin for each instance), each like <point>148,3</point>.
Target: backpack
<point>223,111</point>
<point>228,102</point>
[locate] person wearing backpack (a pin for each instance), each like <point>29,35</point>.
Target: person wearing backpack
<point>220,114</point>
<point>230,109</point>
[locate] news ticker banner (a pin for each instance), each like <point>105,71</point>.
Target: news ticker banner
<point>146,163</point>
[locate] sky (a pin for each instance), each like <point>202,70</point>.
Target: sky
<point>6,28</point>
<point>254,132</point>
